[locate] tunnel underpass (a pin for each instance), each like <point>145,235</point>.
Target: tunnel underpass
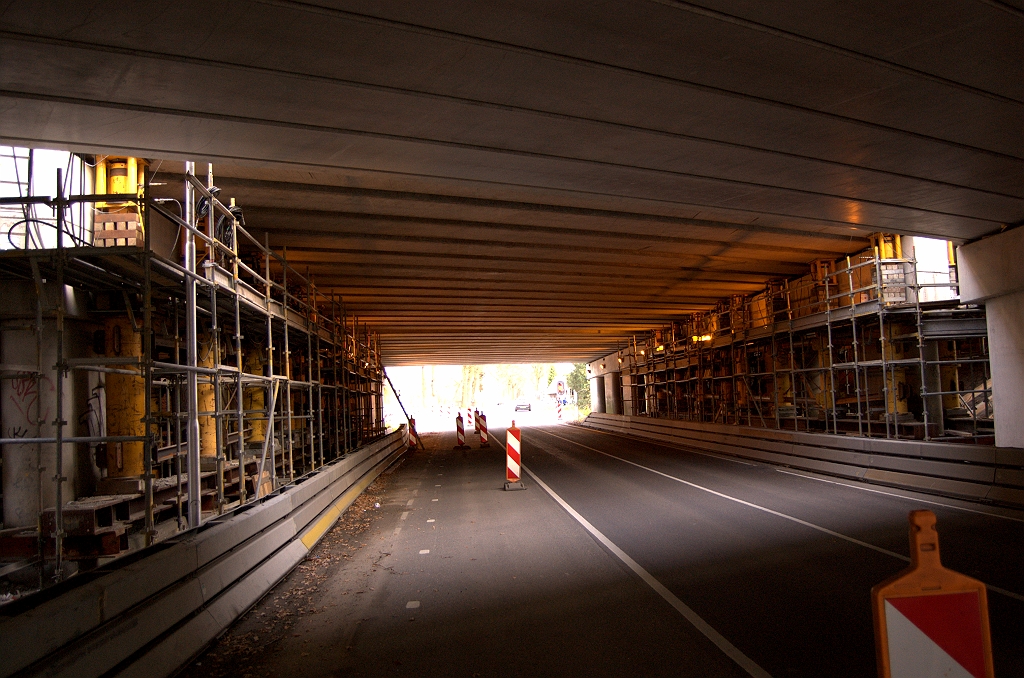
<point>747,277</point>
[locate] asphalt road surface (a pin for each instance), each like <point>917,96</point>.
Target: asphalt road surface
<point>624,557</point>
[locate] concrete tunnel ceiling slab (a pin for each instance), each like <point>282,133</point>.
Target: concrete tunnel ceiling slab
<point>529,181</point>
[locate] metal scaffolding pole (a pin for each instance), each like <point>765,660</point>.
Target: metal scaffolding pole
<point>192,350</point>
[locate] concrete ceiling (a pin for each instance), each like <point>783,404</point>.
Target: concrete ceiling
<point>519,181</point>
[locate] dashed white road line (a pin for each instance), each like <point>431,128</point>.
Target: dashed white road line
<point>405,514</point>
<point>430,520</point>
<point>727,648</point>
<point>424,552</point>
<point>412,604</point>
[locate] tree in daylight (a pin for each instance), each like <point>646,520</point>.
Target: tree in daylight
<point>578,382</point>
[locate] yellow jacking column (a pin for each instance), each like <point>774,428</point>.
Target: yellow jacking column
<point>207,400</point>
<point>126,401</point>
<point>255,397</point>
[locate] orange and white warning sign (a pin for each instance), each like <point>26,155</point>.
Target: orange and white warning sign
<point>930,621</point>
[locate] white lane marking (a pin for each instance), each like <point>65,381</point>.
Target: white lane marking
<point>433,500</point>
<point>819,528</point>
<point>412,604</point>
<point>424,552</point>
<point>405,514</point>
<point>790,472</point>
<point>711,634</point>
<point>685,448</point>
<point>794,473</point>
<point>397,530</point>
<point>409,503</point>
<point>437,486</point>
<point>431,520</point>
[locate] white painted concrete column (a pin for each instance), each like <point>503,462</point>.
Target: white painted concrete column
<point>597,394</point>
<point>992,272</point>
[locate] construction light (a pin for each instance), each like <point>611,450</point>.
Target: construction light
<point>642,352</point>
<point>620,361</point>
<point>660,348</point>
<point>706,337</point>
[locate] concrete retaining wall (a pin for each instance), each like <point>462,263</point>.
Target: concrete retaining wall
<point>978,472</point>
<point>150,612</point>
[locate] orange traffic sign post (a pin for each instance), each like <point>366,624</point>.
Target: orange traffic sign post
<point>930,621</point>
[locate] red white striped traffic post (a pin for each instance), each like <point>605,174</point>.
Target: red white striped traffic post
<point>460,433</point>
<point>484,441</point>
<point>513,459</point>
<point>559,408</point>
<point>476,421</point>
<point>930,621</point>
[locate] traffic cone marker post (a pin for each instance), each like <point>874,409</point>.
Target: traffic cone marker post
<point>930,620</point>
<point>476,421</point>
<point>513,458</point>
<point>460,433</point>
<point>482,420</point>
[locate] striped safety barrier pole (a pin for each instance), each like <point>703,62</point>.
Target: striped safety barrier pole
<point>469,416</point>
<point>484,441</point>
<point>476,421</point>
<point>460,433</point>
<point>513,459</point>
<point>559,409</point>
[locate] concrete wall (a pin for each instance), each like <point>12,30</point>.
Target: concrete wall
<point>613,393</point>
<point>991,273</point>
<point>597,394</point>
<point>28,406</point>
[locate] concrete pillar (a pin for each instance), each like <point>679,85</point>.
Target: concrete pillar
<point>613,393</point>
<point>597,394</point>
<point>990,272</point>
<point>28,403</point>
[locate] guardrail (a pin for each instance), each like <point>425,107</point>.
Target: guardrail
<point>978,472</point>
<point>149,613</point>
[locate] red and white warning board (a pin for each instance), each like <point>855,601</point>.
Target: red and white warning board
<point>512,454</point>
<point>929,621</point>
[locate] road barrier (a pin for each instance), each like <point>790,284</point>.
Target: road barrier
<point>513,458</point>
<point>476,421</point>
<point>930,621</point>
<point>460,433</point>
<point>559,407</point>
<point>979,472</point>
<point>484,440</point>
<point>149,613</point>
<point>469,417</point>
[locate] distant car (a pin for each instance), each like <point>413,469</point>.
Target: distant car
<point>523,406</point>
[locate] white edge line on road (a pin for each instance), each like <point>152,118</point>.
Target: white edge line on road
<point>808,476</point>
<point>711,634</point>
<point>684,448</point>
<point>819,528</point>
<point>801,473</point>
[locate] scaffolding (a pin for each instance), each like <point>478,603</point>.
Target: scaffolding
<point>861,346</point>
<point>220,372</point>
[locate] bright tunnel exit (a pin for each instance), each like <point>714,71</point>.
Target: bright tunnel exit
<point>528,393</point>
